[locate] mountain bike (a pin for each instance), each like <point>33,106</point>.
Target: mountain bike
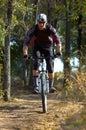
<point>43,81</point>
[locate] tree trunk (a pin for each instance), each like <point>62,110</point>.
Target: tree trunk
<point>7,81</point>
<point>79,40</point>
<point>67,49</point>
<point>49,10</point>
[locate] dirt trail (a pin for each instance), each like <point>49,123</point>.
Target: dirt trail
<point>24,112</point>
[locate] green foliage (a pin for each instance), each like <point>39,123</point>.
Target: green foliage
<point>2,35</point>
<point>22,20</point>
<point>76,87</point>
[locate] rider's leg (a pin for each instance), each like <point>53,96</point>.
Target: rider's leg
<point>35,75</point>
<point>50,67</point>
<point>51,79</point>
<point>51,82</point>
<point>35,78</point>
<point>35,68</point>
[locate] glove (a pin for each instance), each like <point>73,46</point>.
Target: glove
<point>25,56</point>
<point>58,54</point>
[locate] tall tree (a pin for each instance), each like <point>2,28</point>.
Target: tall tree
<point>79,30</point>
<point>7,76</point>
<point>79,39</point>
<point>67,43</point>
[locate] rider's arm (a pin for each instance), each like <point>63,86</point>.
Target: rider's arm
<point>27,40</point>
<point>57,40</point>
<point>59,48</point>
<point>25,50</point>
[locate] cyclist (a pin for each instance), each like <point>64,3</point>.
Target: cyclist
<point>44,36</point>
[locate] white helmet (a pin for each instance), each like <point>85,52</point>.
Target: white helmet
<point>42,18</point>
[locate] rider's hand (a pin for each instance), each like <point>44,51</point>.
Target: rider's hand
<point>25,57</point>
<point>58,54</point>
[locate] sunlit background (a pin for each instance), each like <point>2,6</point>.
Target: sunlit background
<point>59,66</point>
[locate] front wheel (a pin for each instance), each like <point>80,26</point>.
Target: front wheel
<point>43,93</point>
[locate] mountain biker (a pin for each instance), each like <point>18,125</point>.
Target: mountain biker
<point>44,36</point>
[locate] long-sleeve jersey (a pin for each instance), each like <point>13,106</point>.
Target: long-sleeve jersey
<point>43,38</point>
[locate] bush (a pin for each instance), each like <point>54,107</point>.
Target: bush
<point>76,86</point>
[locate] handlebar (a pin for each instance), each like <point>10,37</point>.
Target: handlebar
<point>42,56</point>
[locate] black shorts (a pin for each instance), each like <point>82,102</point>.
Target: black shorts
<point>47,52</point>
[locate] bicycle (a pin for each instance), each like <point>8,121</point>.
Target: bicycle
<point>43,81</point>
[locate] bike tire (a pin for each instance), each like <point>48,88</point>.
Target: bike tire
<point>43,93</point>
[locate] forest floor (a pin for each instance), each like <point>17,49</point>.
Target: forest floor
<point>24,111</point>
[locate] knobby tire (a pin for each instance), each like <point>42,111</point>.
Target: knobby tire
<point>43,93</point>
